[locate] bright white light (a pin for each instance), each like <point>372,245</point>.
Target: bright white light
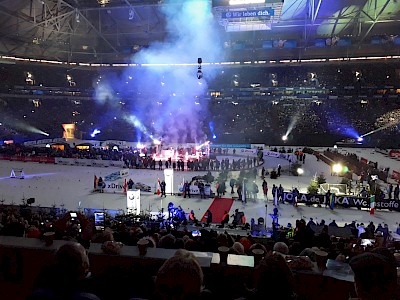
<point>284,138</point>
<point>242,2</point>
<point>337,168</point>
<point>300,171</point>
<point>156,142</point>
<point>140,146</point>
<point>95,132</point>
<point>360,139</point>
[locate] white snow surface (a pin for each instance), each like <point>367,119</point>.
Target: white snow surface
<point>72,186</point>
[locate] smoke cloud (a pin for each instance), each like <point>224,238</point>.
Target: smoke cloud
<point>168,99</point>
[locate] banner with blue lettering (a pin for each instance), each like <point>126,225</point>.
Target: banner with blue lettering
<point>230,146</point>
<point>343,201</point>
<point>258,13</point>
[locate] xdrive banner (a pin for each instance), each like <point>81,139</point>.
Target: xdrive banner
<point>343,200</point>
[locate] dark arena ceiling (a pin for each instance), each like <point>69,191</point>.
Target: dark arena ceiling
<point>112,31</point>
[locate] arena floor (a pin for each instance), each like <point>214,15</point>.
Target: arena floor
<point>72,187</point>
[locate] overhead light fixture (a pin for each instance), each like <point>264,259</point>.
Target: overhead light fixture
<point>199,71</point>
<point>29,78</point>
<point>199,74</point>
<point>245,2</point>
<point>103,2</point>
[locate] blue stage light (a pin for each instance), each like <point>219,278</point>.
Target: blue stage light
<point>95,132</point>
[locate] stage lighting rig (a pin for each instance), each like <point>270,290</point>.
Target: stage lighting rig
<point>199,72</point>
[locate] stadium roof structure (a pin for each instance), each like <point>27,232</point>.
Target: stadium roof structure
<point>111,31</point>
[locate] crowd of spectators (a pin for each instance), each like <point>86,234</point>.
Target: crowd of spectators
<point>250,120</point>
<point>289,249</point>
<point>340,101</point>
<point>362,168</point>
<point>142,158</point>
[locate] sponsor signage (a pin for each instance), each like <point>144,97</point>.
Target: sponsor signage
<point>114,186</point>
<point>248,151</point>
<point>342,200</point>
<point>287,156</point>
<point>257,13</point>
<point>169,181</point>
<point>133,201</point>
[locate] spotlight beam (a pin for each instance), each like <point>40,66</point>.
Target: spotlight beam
<point>379,129</point>
<point>292,124</point>
<point>132,119</point>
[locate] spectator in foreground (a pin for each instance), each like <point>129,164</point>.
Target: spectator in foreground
<point>67,278</point>
<point>180,277</point>
<point>274,279</point>
<point>375,276</point>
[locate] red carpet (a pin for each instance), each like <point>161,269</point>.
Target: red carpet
<point>218,208</point>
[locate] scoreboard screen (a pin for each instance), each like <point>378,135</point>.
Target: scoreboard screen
<point>217,3</point>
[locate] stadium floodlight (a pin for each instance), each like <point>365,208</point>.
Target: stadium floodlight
<point>245,2</point>
<point>337,168</point>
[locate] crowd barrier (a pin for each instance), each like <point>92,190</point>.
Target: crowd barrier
<point>64,161</point>
<point>39,159</point>
<point>89,162</point>
<point>287,156</point>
